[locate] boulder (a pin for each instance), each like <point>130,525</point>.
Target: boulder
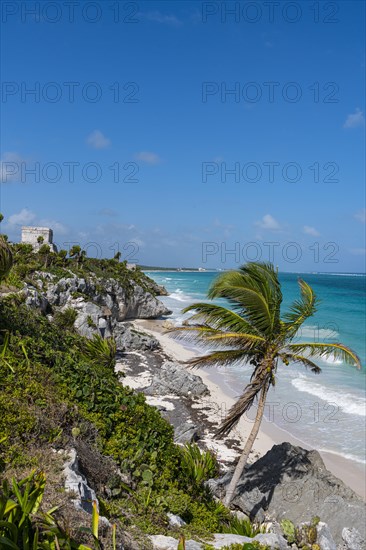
<point>293,483</point>
<point>175,521</point>
<point>324,537</point>
<point>186,433</point>
<point>353,540</point>
<point>35,299</point>
<point>129,339</point>
<point>141,304</point>
<point>173,378</point>
<point>161,542</point>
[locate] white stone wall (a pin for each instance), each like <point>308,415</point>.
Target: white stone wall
<point>30,236</point>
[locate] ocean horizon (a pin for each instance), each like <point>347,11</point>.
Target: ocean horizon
<point>325,411</point>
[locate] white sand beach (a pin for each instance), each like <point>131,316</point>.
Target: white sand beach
<point>220,401</point>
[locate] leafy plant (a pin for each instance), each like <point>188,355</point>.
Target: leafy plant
<point>6,258</point>
<point>243,527</point>
<point>198,466</point>
<point>66,318</point>
<point>101,351</point>
<point>304,536</point>
<point>22,527</point>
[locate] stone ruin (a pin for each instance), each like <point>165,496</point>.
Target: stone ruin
<point>31,235</point>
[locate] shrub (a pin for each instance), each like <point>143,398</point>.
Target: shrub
<point>101,351</point>
<point>243,527</point>
<point>66,318</point>
<point>197,465</point>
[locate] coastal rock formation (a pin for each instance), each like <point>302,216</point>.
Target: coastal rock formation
<point>293,483</point>
<point>173,378</point>
<point>91,297</point>
<point>128,338</point>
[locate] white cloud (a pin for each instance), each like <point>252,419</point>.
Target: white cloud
<point>24,217</point>
<point>27,217</point>
<point>97,140</point>
<point>57,227</point>
<point>308,230</point>
<point>148,157</point>
<point>361,215</point>
<point>10,167</point>
<point>354,119</point>
<point>268,222</point>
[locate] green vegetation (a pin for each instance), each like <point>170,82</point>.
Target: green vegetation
<point>101,351</point>
<point>28,263</point>
<point>6,256</point>
<point>305,537</point>
<point>58,390</point>
<point>23,528</point>
<point>253,331</point>
<point>243,527</point>
<point>65,319</point>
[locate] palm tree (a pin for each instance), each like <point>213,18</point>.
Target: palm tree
<point>253,332</point>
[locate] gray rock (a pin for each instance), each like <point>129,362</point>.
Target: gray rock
<point>86,322</point>
<point>325,539</point>
<point>186,433</point>
<point>175,521</point>
<point>161,542</point>
<point>353,540</point>
<point>173,378</point>
<point>293,483</point>
<point>143,305</point>
<point>273,540</point>
<point>76,483</point>
<point>130,339</point>
<point>35,299</point>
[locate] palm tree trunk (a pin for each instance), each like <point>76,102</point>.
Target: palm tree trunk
<point>248,446</point>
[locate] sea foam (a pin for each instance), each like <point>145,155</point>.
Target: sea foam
<point>347,402</point>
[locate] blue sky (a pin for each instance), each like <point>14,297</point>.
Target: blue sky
<point>188,131</point>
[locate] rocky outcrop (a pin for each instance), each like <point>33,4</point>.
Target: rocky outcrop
<point>128,338</point>
<point>91,298</point>
<point>221,540</point>
<point>186,433</point>
<point>141,304</point>
<point>173,378</point>
<point>352,540</point>
<point>293,483</point>
<point>76,483</point>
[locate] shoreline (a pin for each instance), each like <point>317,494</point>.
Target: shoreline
<point>350,472</point>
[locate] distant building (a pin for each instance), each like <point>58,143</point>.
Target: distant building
<point>37,236</point>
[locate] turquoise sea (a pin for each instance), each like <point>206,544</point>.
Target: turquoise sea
<point>326,411</point>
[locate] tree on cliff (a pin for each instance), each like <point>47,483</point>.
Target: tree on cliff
<point>6,256</point>
<point>254,332</point>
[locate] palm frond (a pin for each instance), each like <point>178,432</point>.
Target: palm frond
<point>219,317</point>
<point>322,349</point>
<point>243,404</point>
<point>222,358</point>
<point>300,310</point>
<point>255,292</point>
<point>236,339</point>
<point>305,361</point>
<point>252,304</point>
